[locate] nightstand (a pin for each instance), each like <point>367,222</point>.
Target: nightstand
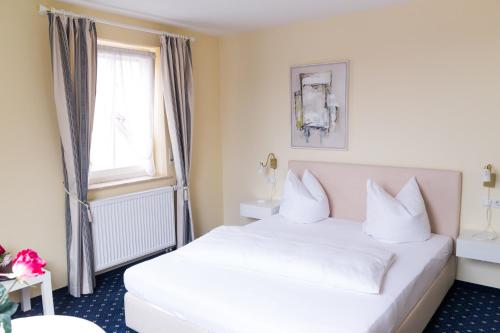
<point>259,209</point>
<point>45,286</point>
<point>470,248</point>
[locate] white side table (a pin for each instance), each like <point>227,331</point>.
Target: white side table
<point>259,209</point>
<point>470,248</point>
<point>55,324</point>
<point>45,286</point>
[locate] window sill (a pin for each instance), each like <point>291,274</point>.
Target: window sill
<point>124,182</point>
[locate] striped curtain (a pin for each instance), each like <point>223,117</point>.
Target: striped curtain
<point>73,44</point>
<point>176,69</point>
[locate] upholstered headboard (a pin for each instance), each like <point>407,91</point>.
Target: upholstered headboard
<point>345,185</point>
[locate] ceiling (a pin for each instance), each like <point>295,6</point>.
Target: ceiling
<point>231,16</point>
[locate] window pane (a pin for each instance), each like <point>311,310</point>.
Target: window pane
<point>123,120</point>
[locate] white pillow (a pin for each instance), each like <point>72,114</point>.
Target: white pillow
<point>398,220</point>
<point>304,201</point>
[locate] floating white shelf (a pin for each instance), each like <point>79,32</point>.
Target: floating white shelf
<point>484,250</point>
<point>259,209</point>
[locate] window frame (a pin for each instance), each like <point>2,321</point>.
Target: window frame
<point>131,173</point>
<point>116,174</point>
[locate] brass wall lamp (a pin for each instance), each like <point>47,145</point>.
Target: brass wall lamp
<point>489,177</point>
<point>271,162</point>
<point>489,180</point>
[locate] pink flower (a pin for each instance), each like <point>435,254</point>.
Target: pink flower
<point>27,264</point>
<point>2,250</point>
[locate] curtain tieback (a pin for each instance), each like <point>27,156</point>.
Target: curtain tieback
<point>85,204</point>
<point>185,193</point>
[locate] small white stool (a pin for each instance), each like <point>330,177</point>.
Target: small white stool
<point>54,324</point>
<point>45,286</point>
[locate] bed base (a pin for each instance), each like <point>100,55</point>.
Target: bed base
<point>422,312</point>
<point>145,317</point>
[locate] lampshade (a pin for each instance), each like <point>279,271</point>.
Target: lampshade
<point>260,168</point>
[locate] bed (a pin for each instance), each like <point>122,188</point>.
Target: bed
<point>175,294</point>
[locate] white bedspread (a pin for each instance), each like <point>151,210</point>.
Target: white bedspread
<point>231,300</point>
<point>328,264</point>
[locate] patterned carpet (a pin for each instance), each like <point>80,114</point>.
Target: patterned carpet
<point>104,307</point>
<point>466,308</point>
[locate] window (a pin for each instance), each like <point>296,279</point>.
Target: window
<point>123,130</point>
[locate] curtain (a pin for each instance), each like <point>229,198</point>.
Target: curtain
<point>176,69</point>
<point>73,44</point>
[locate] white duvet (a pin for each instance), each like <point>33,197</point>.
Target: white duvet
<point>222,299</point>
<point>327,264</point>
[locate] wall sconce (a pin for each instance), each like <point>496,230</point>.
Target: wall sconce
<point>489,177</point>
<point>489,180</point>
<point>271,162</point>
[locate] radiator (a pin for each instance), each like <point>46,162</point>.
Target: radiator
<point>130,226</point>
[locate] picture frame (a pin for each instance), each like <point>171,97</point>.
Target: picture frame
<point>319,106</point>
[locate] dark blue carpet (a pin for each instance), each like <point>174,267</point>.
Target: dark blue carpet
<point>466,308</point>
<point>104,307</point>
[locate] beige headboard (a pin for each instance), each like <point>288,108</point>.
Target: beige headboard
<point>345,185</point>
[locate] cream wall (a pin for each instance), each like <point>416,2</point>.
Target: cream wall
<point>424,92</point>
<point>424,82</point>
<point>31,195</point>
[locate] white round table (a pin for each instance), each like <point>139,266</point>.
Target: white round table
<point>55,324</point>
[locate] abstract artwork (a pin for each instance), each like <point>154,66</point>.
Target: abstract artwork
<point>319,106</point>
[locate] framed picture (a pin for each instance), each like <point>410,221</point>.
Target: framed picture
<point>319,106</point>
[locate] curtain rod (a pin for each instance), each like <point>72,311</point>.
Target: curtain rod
<point>44,10</point>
